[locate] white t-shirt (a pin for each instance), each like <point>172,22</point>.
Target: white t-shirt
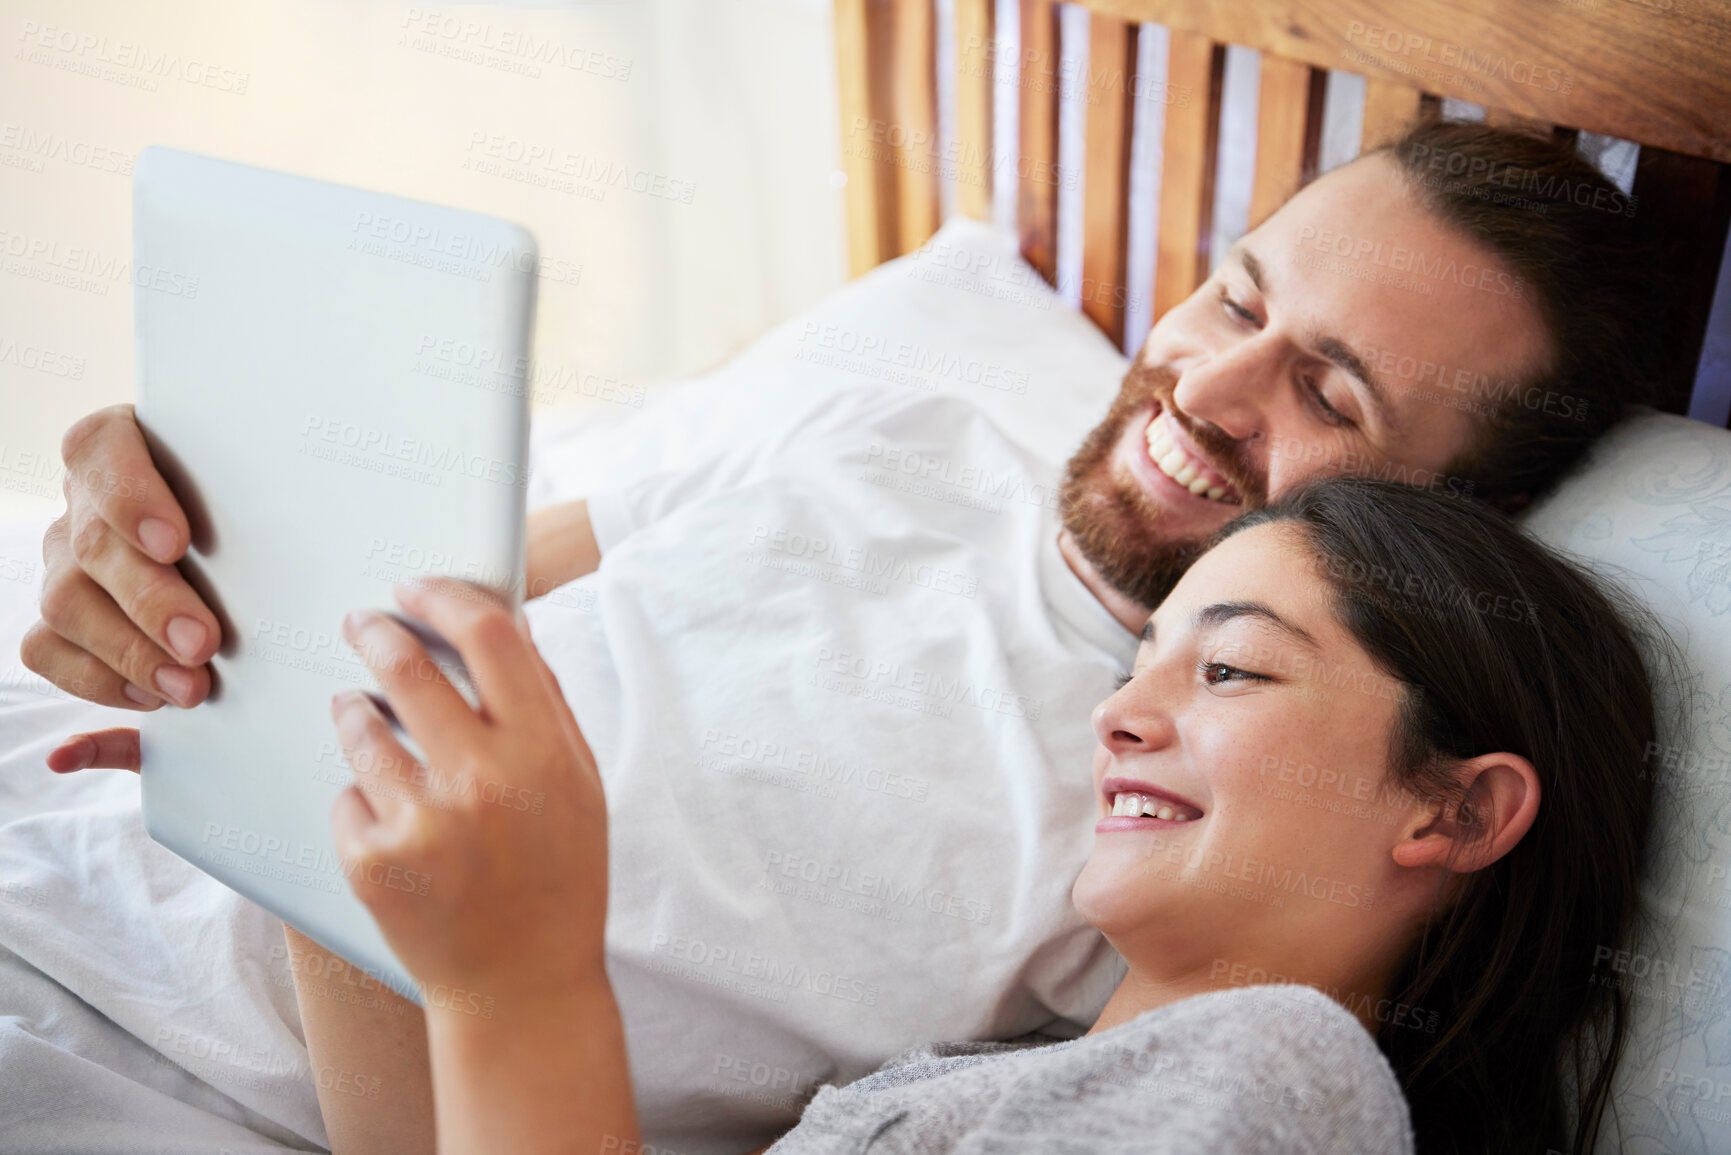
<point>838,680</point>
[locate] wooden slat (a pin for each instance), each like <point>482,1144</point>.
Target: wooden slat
<point>1688,202</point>
<point>1625,69</point>
<point>1288,131</point>
<point>914,110</point>
<point>864,237</point>
<point>1194,70</point>
<point>1106,172</point>
<point>1389,106</point>
<point>1037,168</point>
<point>974,56</point>
<point>1515,122</point>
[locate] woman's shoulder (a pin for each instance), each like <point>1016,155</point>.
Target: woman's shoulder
<point>1287,1054</point>
<point>1259,1068</point>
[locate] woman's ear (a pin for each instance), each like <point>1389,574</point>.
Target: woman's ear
<point>1501,800</point>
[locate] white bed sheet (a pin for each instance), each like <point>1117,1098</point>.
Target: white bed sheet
<point>145,1007</point>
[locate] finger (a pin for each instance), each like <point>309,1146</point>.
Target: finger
<point>561,709</point>
<point>484,633</point>
<point>355,834</point>
<point>79,672</point>
<point>109,468</point>
<point>426,704</point>
<point>82,613</point>
<point>157,598</point>
<point>384,769</point>
<point>368,848</point>
<point>115,749</point>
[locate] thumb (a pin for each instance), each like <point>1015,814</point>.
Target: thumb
<point>100,749</point>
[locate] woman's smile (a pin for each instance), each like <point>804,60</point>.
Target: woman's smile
<point>1133,804</point>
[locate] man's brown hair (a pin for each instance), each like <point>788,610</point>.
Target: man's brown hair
<point>1583,255</point>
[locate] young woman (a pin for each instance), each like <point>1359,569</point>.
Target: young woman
<point>1377,743</point>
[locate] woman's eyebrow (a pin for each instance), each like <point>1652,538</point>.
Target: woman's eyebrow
<point>1222,612</point>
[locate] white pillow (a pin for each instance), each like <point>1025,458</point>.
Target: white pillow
<point>965,316</point>
<point>1651,507</point>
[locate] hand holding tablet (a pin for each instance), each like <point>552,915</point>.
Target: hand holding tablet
<point>489,878</point>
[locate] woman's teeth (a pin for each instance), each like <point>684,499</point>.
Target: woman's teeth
<point>1177,465</point>
<point>1140,805</point>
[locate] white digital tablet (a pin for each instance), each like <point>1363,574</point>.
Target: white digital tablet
<point>335,385</point>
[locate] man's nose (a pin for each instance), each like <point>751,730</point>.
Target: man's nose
<point>1232,388</point>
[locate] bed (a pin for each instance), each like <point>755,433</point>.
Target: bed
<point>144,1008</point>
<point>1073,90</point>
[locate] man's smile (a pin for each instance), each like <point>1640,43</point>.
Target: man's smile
<point>1177,457</point>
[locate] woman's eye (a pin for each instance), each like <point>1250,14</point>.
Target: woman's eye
<point>1221,674</point>
<point>1124,679</point>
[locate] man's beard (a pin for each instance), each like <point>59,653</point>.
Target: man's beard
<point>1114,521</point>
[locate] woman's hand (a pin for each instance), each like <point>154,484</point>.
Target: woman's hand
<point>486,868</point>
<point>487,871</point>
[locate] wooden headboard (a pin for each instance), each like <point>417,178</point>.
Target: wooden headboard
<point>1657,72</point>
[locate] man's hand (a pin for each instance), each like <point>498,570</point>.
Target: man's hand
<point>120,626</point>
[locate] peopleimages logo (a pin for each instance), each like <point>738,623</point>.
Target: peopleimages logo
<point>1474,64</point>
<point>308,857</point>
<point>1400,259</point>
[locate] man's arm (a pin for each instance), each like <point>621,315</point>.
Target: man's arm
<point>561,547</point>
<point>368,1051</point>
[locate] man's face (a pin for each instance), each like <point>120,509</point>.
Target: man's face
<point>1332,339</point>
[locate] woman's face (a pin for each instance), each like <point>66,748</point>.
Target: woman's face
<point>1246,818</point>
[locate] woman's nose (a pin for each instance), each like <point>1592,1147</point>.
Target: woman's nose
<point>1132,720</point>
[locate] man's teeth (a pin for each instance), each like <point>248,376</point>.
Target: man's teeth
<point>1140,805</point>
<point>1176,464</point>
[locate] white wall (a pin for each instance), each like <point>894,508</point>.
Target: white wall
<point>735,100</point>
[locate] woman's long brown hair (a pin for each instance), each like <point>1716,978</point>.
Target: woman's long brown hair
<point>1504,647</point>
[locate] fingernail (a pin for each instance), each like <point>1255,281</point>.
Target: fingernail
<point>83,754</point>
<point>175,684</point>
<point>158,538</point>
<point>186,636</point>
<point>357,620</point>
<point>142,696</point>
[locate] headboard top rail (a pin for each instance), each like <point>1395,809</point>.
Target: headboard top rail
<point>1653,71</point>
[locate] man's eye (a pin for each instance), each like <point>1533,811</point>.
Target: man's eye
<point>1124,679</point>
<point>1235,308</point>
<point>1329,413</point>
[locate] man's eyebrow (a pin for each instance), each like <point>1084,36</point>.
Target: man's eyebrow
<point>1252,267</point>
<point>1341,354</point>
<point>1332,348</point>
<point>1148,631</point>
<point>1222,612</point>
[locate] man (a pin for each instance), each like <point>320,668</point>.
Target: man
<point>844,728</point>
